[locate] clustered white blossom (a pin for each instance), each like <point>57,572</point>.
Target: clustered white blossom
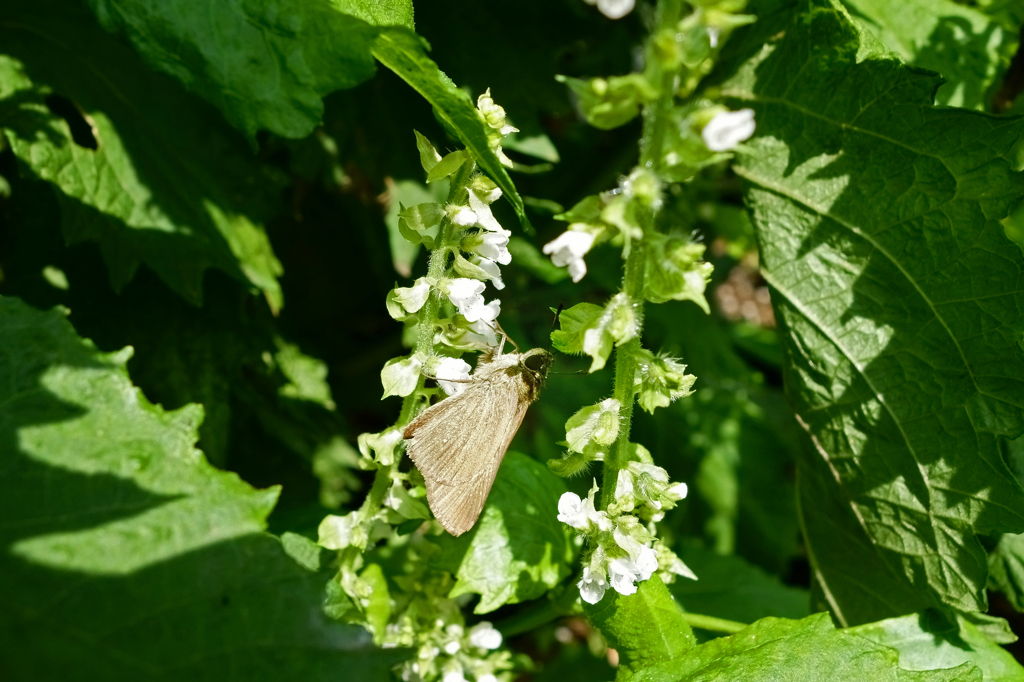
<point>623,551</point>
<point>474,245</point>
<point>480,246</point>
<point>458,655</point>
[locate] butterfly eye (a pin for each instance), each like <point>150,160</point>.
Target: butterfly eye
<point>535,363</point>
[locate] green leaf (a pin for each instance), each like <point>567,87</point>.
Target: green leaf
<point>160,181</point>
<point>265,64</point>
<point>402,52</point>
<point>587,328</point>
<point>732,589</point>
<point>61,391</point>
<point>573,324</point>
<point>1006,568</point>
<point>428,155</point>
<point>307,376</point>
<point>405,242</point>
<point>897,299</point>
<point>971,51</point>
<point>518,550</point>
<point>539,146</point>
<point>646,628</point>
<point>930,641</point>
<point>853,576</point>
<point>109,510</point>
<point>777,650</point>
<point>451,162</point>
<point>587,210</point>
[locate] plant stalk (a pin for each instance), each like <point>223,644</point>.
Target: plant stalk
<point>655,124</point>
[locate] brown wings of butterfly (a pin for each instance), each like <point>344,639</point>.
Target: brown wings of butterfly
<point>458,444</point>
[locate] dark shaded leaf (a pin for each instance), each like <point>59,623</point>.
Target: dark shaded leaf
<point>898,297</point>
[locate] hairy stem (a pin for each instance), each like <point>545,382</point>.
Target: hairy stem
<point>625,372</point>
<point>655,123</point>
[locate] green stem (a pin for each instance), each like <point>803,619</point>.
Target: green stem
<point>655,124</point>
<point>625,372</point>
<point>713,624</point>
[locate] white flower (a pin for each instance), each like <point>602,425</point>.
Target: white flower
<point>643,557</point>
<point>452,648</point>
<point>713,33</point>
<point>485,636</point>
<point>492,270</point>
<point>571,510</point>
<point>339,532</point>
<point>677,492</point>
<point>481,332</point>
<point>623,574</point>
<point>484,217</point>
<point>646,563</point>
<point>450,373</point>
<point>380,446</point>
<point>467,296</point>
<point>400,376</point>
<point>727,129</point>
<point>491,245</point>
<point>569,249</point>
<point>412,298</point>
<point>453,676</point>
<point>485,189</point>
<point>613,9</point>
<point>462,215</point>
<point>592,586</point>
<point>485,313</point>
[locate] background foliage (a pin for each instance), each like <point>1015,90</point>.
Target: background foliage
<point>216,186</point>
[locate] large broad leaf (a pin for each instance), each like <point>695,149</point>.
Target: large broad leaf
<point>265,64</point>
<point>969,49</point>
<point>929,640</point>
<point>518,550</point>
<point>145,169</point>
<point>899,304</point>
<point>777,650</point>
<point>124,554</point>
<point>402,52</point>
